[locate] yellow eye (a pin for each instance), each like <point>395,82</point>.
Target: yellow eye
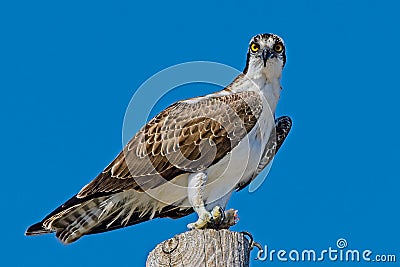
<point>278,48</point>
<point>254,47</point>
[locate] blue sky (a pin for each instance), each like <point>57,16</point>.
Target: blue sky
<point>69,69</point>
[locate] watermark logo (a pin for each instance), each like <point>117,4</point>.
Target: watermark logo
<point>341,243</point>
<point>340,253</point>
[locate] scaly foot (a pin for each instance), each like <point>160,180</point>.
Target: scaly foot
<point>216,219</point>
<point>202,222</point>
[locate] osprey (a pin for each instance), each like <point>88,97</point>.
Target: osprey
<point>188,158</point>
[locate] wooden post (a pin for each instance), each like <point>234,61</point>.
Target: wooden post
<point>207,248</point>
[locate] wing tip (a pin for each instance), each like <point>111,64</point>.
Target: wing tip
<point>285,119</point>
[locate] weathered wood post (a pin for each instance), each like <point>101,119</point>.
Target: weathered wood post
<point>207,247</point>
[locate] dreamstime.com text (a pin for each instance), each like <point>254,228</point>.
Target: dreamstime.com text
<point>339,253</point>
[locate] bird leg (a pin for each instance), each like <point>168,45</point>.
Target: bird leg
<point>217,218</point>
<point>196,184</point>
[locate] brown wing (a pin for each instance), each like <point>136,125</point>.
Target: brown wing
<point>186,137</point>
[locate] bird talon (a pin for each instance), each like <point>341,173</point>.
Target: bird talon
<point>201,223</point>
<point>218,215</point>
<point>216,219</point>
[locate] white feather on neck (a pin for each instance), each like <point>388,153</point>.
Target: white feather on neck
<point>261,79</point>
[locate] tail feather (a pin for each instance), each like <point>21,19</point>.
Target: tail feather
<point>78,221</point>
<point>77,218</point>
<point>37,229</point>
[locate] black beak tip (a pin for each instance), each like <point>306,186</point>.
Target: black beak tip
<point>266,54</point>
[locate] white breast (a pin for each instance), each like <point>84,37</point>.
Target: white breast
<point>239,165</point>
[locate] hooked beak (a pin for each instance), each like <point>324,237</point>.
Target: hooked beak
<point>266,54</point>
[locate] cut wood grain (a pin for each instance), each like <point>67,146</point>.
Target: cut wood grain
<point>207,248</point>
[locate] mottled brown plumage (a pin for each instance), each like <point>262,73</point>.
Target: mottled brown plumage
<point>171,143</point>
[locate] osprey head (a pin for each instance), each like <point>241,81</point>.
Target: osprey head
<point>266,55</point>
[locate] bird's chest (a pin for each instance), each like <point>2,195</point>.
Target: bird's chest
<point>261,132</point>
<point>240,164</point>
<point>257,141</point>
